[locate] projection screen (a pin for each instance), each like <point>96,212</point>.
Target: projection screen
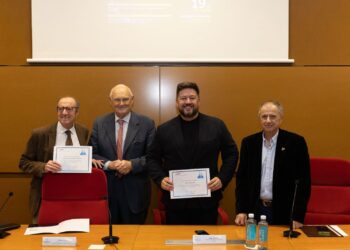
<point>143,31</point>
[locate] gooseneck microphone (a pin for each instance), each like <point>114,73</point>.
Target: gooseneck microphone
<point>5,202</point>
<point>110,239</point>
<point>290,233</point>
<point>5,227</point>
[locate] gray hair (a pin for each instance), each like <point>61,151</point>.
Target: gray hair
<point>275,103</point>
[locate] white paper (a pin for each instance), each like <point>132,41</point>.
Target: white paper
<point>96,247</point>
<point>59,241</point>
<point>338,230</point>
<point>73,159</point>
<point>73,225</point>
<point>190,183</point>
<point>209,239</point>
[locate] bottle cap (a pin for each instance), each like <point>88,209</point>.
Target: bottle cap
<point>263,217</point>
<point>250,215</point>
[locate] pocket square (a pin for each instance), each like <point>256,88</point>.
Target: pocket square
<point>283,148</point>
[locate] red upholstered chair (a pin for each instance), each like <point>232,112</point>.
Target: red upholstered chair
<point>159,212</point>
<point>69,196</point>
<point>330,192</point>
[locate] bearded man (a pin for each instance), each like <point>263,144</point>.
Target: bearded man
<point>192,140</point>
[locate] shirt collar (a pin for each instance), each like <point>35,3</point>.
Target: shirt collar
<point>272,141</point>
<point>125,118</point>
<point>62,130</point>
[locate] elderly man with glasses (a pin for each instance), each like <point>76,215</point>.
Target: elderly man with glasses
<point>38,155</point>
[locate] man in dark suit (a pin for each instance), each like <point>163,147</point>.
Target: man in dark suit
<point>271,163</point>
<point>120,142</point>
<point>38,155</point>
<point>188,141</point>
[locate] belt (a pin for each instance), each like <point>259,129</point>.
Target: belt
<point>266,203</point>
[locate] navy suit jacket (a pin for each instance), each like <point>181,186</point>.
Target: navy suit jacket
<point>291,163</point>
<point>167,153</point>
<point>139,136</point>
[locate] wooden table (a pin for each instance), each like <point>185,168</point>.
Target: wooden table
<point>153,237</point>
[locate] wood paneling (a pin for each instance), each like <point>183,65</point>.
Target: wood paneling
<point>316,100</point>
<point>29,97</point>
<point>17,209</point>
<point>15,32</point>
<point>319,32</point>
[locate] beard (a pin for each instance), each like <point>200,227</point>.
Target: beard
<point>188,114</point>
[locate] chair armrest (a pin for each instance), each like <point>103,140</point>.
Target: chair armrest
<point>224,216</point>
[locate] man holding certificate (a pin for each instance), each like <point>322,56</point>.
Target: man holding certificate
<point>183,161</point>
<point>37,158</point>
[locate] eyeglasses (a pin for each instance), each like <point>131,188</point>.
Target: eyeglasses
<point>68,109</point>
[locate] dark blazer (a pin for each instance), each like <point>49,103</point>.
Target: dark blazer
<point>139,136</point>
<point>167,153</point>
<point>291,163</point>
<point>38,152</point>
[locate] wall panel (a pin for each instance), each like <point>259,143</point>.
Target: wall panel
<point>319,32</point>
<point>15,32</point>
<point>16,210</point>
<point>316,101</point>
<point>30,94</point>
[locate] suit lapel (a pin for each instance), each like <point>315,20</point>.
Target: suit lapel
<point>258,149</point>
<point>179,138</point>
<point>133,128</point>
<point>109,129</point>
<point>280,147</point>
<point>52,140</point>
<point>80,135</point>
<point>202,134</point>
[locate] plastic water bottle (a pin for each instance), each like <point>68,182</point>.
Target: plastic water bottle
<point>250,240</point>
<point>263,227</point>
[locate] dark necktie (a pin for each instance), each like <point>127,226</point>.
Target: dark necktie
<point>69,141</point>
<point>120,140</point>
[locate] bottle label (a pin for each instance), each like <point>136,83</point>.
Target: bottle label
<point>251,232</point>
<point>263,234</point>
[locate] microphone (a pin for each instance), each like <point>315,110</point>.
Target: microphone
<point>5,202</point>
<point>290,233</point>
<point>110,239</point>
<point>5,227</point>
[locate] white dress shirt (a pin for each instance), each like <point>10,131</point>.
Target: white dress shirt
<point>61,136</point>
<point>267,167</point>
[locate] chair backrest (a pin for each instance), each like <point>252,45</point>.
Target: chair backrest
<point>330,192</point>
<point>69,196</point>
<point>159,212</point>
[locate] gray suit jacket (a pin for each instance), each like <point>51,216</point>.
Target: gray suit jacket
<point>139,136</point>
<point>39,150</point>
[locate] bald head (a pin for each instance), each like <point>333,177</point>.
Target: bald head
<point>271,116</point>
<point>277,104</point>
<point>120,88</point>
<point>122,100</point>
<point>67,111</point>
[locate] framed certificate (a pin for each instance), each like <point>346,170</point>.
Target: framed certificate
<point>190,183</point>
<point>73,159</point>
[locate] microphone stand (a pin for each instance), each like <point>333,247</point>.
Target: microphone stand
<point>110,239</point>
<point>290,233</point>
<point>5,227</point>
